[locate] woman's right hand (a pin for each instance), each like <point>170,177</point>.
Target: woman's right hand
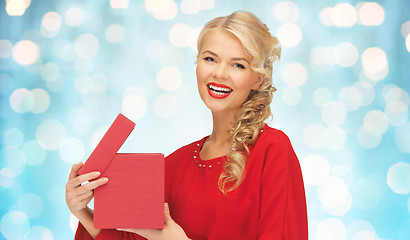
<point>78,196</point>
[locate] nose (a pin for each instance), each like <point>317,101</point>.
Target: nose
<point>221,71</point>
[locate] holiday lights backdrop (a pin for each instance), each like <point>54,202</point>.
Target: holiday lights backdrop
<point>67,68</point>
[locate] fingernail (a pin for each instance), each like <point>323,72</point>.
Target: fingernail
<point>104,180</point>
<point>166,206</point>
<point>97,174</point>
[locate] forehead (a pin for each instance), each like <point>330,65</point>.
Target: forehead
<point>223,43</point>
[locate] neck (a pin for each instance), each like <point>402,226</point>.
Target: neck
<point>221,124</point>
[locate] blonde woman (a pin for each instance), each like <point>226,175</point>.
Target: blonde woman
<point>241,182</point>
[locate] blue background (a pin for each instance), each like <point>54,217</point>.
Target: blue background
<point>67,68</point>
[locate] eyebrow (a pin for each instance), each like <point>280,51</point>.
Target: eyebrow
<point>234,59</point>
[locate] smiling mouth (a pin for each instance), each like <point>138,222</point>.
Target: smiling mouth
<point>218,90</point>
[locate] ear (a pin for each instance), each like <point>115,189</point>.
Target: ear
<point>258,82</point>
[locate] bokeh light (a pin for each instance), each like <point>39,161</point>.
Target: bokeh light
<point>26,52</point>
<point>370,14</point>
<point>289,34</point>
<point>14,225</point>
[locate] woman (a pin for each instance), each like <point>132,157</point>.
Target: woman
<point>244,180</point>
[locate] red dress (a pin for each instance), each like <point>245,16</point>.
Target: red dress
<point>269,204</point>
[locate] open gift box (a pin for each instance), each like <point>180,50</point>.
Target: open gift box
<point>134,194</point>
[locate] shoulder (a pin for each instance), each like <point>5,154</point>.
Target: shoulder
<point>183,151</point>
<point>271,136</point>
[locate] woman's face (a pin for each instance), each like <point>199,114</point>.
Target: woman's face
<point>223,72</point>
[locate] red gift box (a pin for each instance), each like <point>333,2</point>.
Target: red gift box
<point>134,194</point>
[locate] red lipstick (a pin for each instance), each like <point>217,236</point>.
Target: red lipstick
<point>219,91</point>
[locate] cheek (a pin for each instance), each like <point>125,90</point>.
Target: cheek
<point>201,72</point>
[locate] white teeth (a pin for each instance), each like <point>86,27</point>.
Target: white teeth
<point>219,89</point>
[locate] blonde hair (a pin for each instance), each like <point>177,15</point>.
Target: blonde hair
<point>264,49</point>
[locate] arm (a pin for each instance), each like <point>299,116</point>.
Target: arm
<point>283,203</point>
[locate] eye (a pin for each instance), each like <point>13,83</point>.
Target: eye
<point>238,65</point>
<point>209,59</point>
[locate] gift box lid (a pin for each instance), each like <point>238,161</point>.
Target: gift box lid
<point>109,145</point>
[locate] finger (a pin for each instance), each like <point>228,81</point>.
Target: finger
<point>85,201</point>
<point>146,233</point>
<point>82,178</point>
<point>74,170</point>
<point>92,185</point>
<point>167,215</point>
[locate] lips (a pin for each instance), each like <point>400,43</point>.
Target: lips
<point>219,91</point>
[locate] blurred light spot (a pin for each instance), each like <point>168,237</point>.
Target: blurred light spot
<point>56,85</point>
<point>72,151</point>
<point>345,54</point>
<point>14,225</point>
<point>351,98</point>
<point>370,14</point>
<point>50,134</point>
<point>119,3</point>
<point>178,34</point>
<point>366,139</point>
<point>344,15</point>
<point>358,226</point>
<point>374,62</point>
<point>375,122</point>
<point>315,169</point>
<point>333,192</point>
<point>193,38</point>
<point>80,120</point>
<point>86,45</point>
<point>291,95</point>
<point>169,79</point>
<point>325,16</point>
<point>286,11</point>
<point>396,94</point>
<point>13,137</point>
<point>134,107</point>
<point>50,72</point>
<point>367,194</point>
<point>321,56</point>
<point>295,74</point>
<point>83,65</point>
<point>41,100</point>
<point>99,82</point>
<point>74,16</point>
<point>190,6</point>
<point>162,9</point>
<point>366,91</point>
<point>6,180</point>
<point>313,136</point>
<point>83,84</point>
<point>114,33</point>
<point>397,113</point>
<point>30,204</point>
<point>164,105</point>
<point>15,7</point>
<point>22,100</point>
<point>334,138</point>
<point>35,154</point>
<point>405,29</point>
<point>408,43</point>
<point>402,138</point>
<point>289,34</point>
<point>172,56</point>
<point>321,96</point>
<point>331,228</point>
<point>365,235</point>
<point>155,49</point>
<point>39,233</point>
<point>73,223</point>
<point>51,24</point>
<point>333,113</point>
<point>26,52</point>
<point>5,48</point>
<point>206,4</point>
<point>68,52</point>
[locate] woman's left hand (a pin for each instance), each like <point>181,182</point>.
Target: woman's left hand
<point>170,231</point>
